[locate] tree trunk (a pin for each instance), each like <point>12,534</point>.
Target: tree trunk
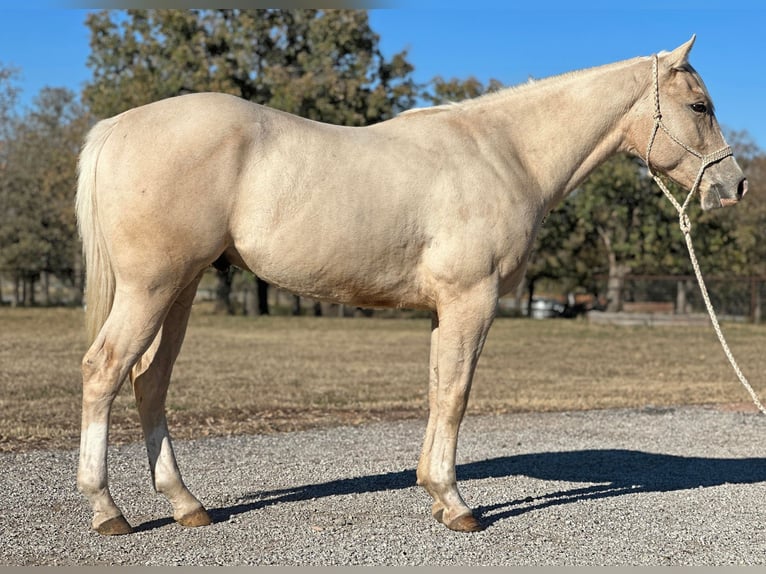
<point>263,296</point>
<point>614,288</point>
<point>682,292</point>
<point>78,276</point>
<point>28,289</point>
<point>615,285</point>
<point>518,296</point>
<point>223,292</point>
<point>296,306</point>
<point>531,295</point>
<point>755,301</point>
<point>617,272</point>
<point>18,296</point>
<point>46,285</point>
<point>251,300</point>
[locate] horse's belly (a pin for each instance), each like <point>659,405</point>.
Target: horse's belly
<point>357,274</point>
<point>361,291</point>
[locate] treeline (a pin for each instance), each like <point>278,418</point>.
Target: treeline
<point>327,66</point>
<point>618,223</point>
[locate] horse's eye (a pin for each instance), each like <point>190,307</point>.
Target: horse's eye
<point>699,107</point>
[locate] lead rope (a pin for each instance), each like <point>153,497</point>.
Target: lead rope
<point>686,226</point>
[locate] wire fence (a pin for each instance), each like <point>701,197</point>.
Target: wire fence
<point>734,298</point>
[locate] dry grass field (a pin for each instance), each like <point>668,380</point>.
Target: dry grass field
<point>246,375</point>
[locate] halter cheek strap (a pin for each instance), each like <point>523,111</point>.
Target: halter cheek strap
<point>705,160</point>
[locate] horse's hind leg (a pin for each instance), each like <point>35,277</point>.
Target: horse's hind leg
<point>132,324</point>
<point>150,385</point>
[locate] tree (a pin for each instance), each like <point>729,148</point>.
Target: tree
<point>37,225</point>
<point>744,253</point>
<point>608,226</point>
<point>325,65</point>
<point>623,212</point>
<point>751,218</point>
<point>616,223</point>
<point>619,223</point>
<point>322,64</point>
<point>619,206</point>
<point>747,220</point>
<point>564,252</point>
<point>8,98</point>
<point>443,91</point>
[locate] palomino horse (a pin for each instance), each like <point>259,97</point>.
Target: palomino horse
<point>435,209</point>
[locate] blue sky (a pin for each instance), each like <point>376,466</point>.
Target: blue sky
<point>485,40</point>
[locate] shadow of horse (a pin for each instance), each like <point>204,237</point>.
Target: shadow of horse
<point>606,473</point>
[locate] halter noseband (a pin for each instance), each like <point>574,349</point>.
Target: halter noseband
<point>706,160</point>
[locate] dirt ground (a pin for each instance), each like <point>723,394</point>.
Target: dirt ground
<point>270,374</point>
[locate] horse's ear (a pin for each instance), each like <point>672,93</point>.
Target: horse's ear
<point>679,57</point>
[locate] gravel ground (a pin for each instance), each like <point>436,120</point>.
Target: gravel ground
<point>618,487</point>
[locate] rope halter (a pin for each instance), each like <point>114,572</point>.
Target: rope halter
<point>706,160</point>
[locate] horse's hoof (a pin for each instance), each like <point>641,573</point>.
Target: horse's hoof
<point>114,527</point>
<point>465,523</point>
<point>199,517</point>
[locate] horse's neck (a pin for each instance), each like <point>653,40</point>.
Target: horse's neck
<point>562,128</point>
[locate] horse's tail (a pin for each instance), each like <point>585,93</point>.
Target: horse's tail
<point>99,276</point>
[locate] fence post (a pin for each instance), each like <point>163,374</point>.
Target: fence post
<point>680,297</point>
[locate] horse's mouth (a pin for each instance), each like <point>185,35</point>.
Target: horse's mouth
<point>711,199</point>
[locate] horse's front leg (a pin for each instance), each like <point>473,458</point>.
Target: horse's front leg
<point>458,337</point>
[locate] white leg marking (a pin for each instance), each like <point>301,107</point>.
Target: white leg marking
<point>92,473</point>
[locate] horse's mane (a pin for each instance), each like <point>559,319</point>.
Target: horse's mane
<point>520,89</point>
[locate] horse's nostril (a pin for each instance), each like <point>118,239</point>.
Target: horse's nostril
<point>742,188</point>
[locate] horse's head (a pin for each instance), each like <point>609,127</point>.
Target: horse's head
<point>686,142</point>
